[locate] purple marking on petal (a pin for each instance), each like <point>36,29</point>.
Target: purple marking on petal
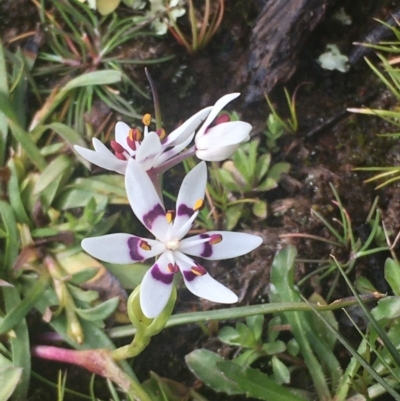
<point>189,275</point>
<point>185,210</point>
<point>160,276</point>
<point>134,251</point>
<point>207,247</point>
<point>149,217</point>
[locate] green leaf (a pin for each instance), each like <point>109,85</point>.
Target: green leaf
<point>277,170</point>
<point>99,312</point>
<point>15,194</point>
<point>57,167</point>
<point>9,378</point>
<point>69,135</point>
<point>86,296</point>
<point>262,166</point>
<point>283,290</point>
<point>232,215</point>
<point>273,334</point>
<point>83,276</point>
<point>30,148</point>
<point>16,314</point>
<point>103,77</point>
<point>281,371</point>
<point>387,308</point>
<point>3,117</point>
<point>274,347</point>
<point>105,7</point>
<point>267,185</point>
<point>11,246</point>
<point>229,335</point>
<point>392,275</point>
<point>248,357</point>
<point>246,335</point>
<point>322,331</point>
<point>256,384</point>
<point>53,177</point>
<point>293,347</point>
<point>72,198</point>
<point>240,162</point>
<point>256,323</point>
<point>203,364</point>
<point>20,348</point>
<point>130,276</point>
<point>6,107</point>
<point>227,180</point>
<point>260,209</point>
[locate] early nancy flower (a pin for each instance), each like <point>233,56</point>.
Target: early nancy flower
<point>218,142</point>
<point>150,149</point>
<point>155,151</point>
<point>169,228</point>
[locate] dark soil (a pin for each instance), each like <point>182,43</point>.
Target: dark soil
<point>320,153</point>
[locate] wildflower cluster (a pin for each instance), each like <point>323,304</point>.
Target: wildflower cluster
<point>143,157</point>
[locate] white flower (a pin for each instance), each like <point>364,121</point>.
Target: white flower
<point>149,149</point>
<point>217,143</point>
<point>169,229</point>
<point>153,151</point>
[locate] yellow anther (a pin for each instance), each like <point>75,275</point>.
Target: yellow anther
<point>170,216</point>
<point>146,119</point>
<point>161,133</point>
<point>198,270</point>
<point>135,134</point>
<point>215,239</point>
<point>145,246</point>
<point>199,204</point>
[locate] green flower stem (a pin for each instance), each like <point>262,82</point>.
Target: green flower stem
<point>139,343</point>
<point>245,311</point>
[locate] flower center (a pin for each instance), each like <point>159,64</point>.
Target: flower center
<point>134,138</point>
<point>172,245</point>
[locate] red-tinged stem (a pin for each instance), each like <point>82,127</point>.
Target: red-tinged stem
<point>98,361</point>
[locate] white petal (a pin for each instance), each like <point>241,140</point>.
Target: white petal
<point>208,288</point>
<point>148,150</point>
<point>216,154</point>
<point>105,160</point>
<point>192,189</point>
<point>144,200</point>
<point>120,248</point>
<point>156,288</point>
<point>99,147</point>
<point>231,246</point>
<point>218,106</point>
<point>225,134</point>
<point>166,155</point>
<point>205,286</point>
<point>121,133</point>
<point>185,130</point>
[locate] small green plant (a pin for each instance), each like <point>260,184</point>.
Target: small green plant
<point>243,178</point>
<point>309,352</point>
<point>278,126</point>
<point>249,337</point>
<point>201,30</point>
<point>79,43</point>
<point>390,76</point>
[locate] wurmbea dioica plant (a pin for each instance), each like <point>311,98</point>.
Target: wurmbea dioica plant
<point>143,159</point>
<point>156,152</point>
<point>169,228</point>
